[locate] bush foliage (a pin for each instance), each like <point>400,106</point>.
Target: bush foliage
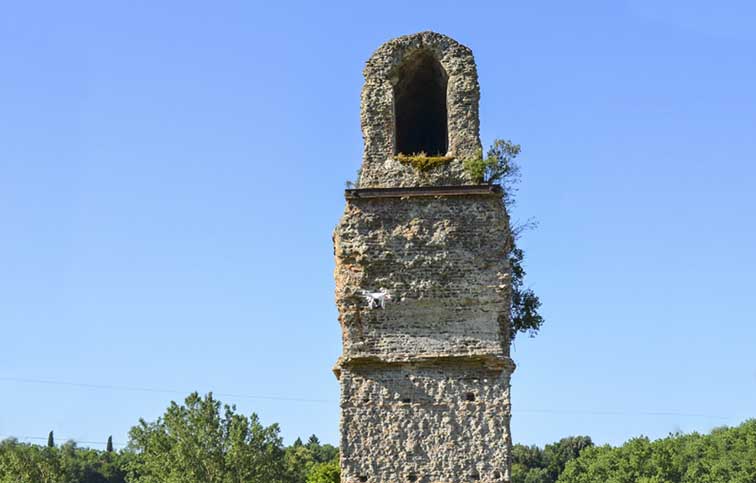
<point>726,455</point>
<point>197,441</point>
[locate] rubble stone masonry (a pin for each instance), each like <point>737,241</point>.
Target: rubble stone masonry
<point>424,379</point>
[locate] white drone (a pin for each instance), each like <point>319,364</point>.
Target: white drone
<point>377,299</point>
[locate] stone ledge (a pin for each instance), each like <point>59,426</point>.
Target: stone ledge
<point>421,191</point>
<point>492,362</point>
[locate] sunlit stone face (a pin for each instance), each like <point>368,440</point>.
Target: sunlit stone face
<point>420,94</point>
<point>425,374</point>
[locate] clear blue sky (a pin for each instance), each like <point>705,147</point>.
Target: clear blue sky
<point>171,173</point>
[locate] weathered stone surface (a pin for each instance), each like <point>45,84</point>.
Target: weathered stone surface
<point>408,371</point>
<point>379,168</point>
<point>425,379</point>
<point>443,260</point>
<point>437,423</point>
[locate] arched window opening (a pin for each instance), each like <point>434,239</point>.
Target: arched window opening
<point>420,106</point>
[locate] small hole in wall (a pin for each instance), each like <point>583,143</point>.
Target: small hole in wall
<point>406,400</point>
<point>363,478</point>
<point>496,475</point>
<point>365,399</point>
<point>412,477</point>
<point>474,476</point>
<point>469,396</point>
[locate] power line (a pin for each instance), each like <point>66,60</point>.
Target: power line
<point>587,412</point>
<point>618,413</point>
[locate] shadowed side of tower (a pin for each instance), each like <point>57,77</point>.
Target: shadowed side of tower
<point>422,281</point>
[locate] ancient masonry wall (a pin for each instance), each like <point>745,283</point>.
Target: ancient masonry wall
<point>425,379</point>
<point>427,424</point>
<point>379,168</point>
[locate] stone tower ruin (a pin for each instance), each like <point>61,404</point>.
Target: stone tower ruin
<point>422,280</point>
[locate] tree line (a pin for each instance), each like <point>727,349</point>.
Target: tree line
<point>205,441</point>
<point>199,441</point>
<point>726,455</point>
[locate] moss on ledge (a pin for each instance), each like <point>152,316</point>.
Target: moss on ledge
<point>423,162</point>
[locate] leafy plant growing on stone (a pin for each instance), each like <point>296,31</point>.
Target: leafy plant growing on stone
<point>356,183</point>
<point>524,314</point>
<point>499,166</point>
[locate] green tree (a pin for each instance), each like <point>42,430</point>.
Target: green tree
<point>726,455</point>
<point>558,454</point>
<point>527,464</point>
<point>523,310</point>
<point>21,463</point>
<point>531,464</point>
<point>328,472</point>
<point>301,458</point>
<point>109,445</point>
<point>50,440</point>
<point>26,463</point>
<point>298,460</point>
<point>201,442</point>
<point>498,166</point>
